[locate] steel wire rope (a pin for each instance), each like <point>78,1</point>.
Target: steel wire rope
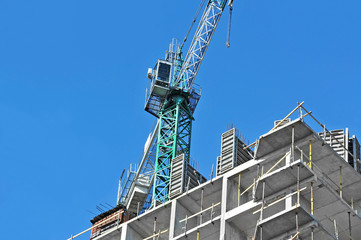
<point>193,22</point>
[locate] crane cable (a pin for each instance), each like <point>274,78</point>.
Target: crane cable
<point>194,20</point>
<point>230,4</point>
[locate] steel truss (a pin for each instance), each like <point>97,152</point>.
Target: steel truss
<point>174,138</point>
<point>176,115</point>
<point>200,43</point>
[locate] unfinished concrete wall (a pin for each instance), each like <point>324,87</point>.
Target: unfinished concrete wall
<point>280,194</point>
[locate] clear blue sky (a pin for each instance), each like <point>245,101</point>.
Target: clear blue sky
<point>73,79</point>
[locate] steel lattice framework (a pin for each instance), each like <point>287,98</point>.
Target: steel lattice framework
<point>199,45</point>
<point>176,114</point>
<point>174,138</point>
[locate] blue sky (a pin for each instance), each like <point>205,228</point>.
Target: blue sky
<point>73,79</point>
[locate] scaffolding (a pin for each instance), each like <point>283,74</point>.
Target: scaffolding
<point>297,186</point>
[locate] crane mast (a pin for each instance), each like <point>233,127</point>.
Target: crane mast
<point>172,97</point>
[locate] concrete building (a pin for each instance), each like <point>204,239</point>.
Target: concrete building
<point>296,186</point>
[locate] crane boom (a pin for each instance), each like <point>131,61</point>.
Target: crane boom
<point>199,45</point>
<point>174,100</point>
<point>172,97</point>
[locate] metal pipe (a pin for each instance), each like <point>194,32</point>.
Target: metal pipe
<point>185,225</point>
<point>293,144</point>
<point>201,217</point>
<point>196,214</point>
<point>279,200</point>
<point>118,219</point>
<point>119,186</point>
<point>263,188</point>
<point>349,224</point>
<point>298,184</point>
<point>335,225</point>
<point>189,179</point>
<point>312,198</point>
<point>254,182</point>
<point>323,126</point>
<point>239,189</point>
<point>299,105</point>
<point>340,181</point>
<point>198,235</point>
<point>295,236</point>
<point>154,227</point>
<point>310,163</point>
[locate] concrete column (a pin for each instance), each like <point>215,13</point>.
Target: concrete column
<point>124,232</point>
<point>172,219</point>
<point>222,232</point>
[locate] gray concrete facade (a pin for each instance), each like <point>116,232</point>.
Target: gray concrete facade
<point>296,187</point>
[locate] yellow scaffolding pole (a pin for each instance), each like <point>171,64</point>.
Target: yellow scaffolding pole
<point>256,181</point>
<point>310,157</point>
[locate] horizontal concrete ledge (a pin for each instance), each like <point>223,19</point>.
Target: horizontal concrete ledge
<point>192,232</point>
<point>286,222</point>
<point>283,178</point>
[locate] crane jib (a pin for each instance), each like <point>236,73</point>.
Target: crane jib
<point>172,97</point>
<point>199,45</point>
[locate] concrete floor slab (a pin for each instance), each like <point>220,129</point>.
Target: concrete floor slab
<point>282,137</point>
<point>207,231</point>
<point>282,178</point>
<point>283,222</point>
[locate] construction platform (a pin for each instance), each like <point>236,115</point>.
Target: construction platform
<point>297,186</point>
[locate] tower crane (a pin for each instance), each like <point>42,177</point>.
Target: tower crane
<point>171,97</point>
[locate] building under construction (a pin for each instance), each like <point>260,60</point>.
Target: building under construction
<point>294,182</point>
<point>297,184</point>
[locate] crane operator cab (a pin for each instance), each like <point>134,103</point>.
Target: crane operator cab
<point>160,77</point>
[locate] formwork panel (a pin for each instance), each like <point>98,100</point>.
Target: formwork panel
<point>183,176</point>
<point>232,152</point>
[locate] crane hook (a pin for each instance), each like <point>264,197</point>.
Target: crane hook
<point>230,4</point>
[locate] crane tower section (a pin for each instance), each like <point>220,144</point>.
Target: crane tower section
<point>172,97</point>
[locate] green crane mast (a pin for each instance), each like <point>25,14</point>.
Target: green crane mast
<point>172,97</point>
